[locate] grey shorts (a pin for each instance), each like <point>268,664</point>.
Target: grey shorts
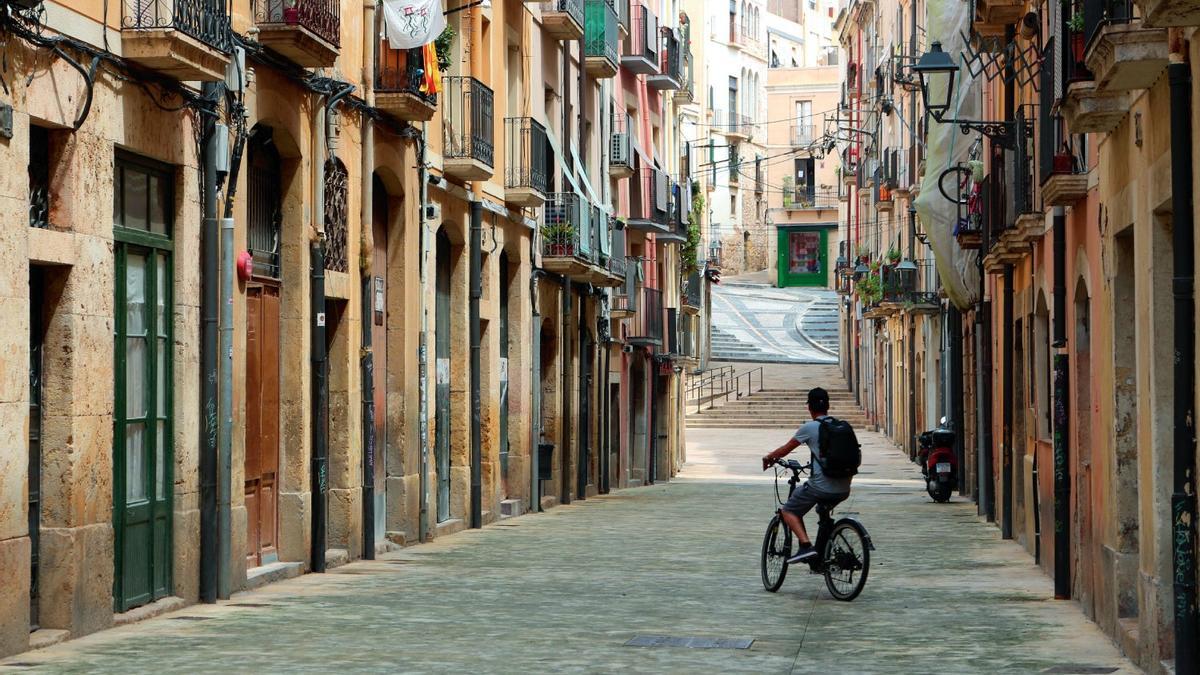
<point>804,498</point>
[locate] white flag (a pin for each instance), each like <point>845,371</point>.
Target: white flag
<point>412,23</point>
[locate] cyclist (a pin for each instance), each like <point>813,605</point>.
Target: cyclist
<point>819,488</point>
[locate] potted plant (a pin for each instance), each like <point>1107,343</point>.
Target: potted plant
<point>893,255</point>
<point>864,254</point>
<point>869,289</point>
<point>559,238</point>
<point>442,46</point>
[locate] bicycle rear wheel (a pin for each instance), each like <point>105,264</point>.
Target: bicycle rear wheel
<point>847,561</point>
<point>776,549</point>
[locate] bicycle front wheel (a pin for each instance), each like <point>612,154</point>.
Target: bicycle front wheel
<point>847,561</point>
<point>776,549</point>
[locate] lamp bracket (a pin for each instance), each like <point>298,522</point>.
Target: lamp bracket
<point>1002,133</point>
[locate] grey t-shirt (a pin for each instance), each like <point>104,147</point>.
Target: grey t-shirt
<point>810,433</point>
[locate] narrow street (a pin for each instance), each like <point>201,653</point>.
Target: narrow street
<point>566,590</point>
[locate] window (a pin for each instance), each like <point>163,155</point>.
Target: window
<point>142,197</point>
<point>39,177</point>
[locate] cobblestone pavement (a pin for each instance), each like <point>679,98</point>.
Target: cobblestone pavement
<point>563,591</point>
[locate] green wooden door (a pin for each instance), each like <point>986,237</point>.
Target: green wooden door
<point>803,257</point>
<point>142,435</point>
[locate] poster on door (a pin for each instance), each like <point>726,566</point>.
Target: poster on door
<point>804,253</point>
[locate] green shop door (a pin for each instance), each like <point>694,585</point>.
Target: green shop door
<point>143,452</point>
<point>803,257</point>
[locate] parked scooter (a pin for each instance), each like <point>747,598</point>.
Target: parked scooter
<point>938,462</point>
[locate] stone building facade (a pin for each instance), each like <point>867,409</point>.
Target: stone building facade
<point>432,310</point>
<point>1063,276</point>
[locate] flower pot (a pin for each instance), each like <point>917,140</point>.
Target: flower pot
<point>291,16</point>
<point>1063,163</point>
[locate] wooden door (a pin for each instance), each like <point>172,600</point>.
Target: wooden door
<point>262,423</point>
<point>142,434</point>
<point>379,354</point>
<point>442,374</point>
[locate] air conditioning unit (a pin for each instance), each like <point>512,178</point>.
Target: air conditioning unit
<point>619,151</point>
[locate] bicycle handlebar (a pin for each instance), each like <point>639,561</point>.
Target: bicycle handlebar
<point>793,465</point>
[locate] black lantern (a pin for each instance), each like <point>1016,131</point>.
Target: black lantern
<point>861,270</point>
<point>937,71</point>
<point>907,273</point>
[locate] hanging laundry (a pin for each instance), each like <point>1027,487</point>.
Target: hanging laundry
<point>408,24</point>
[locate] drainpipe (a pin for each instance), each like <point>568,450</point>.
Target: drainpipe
<point>225,439</point>
<point>476,418</point>
<point>564,350</point>
<point>1062,478</point>
<point>1006,477</point>
<point>475,279</point>
<point>1183,498</point>
<point>366,261</point>
<point>423,339</point>
<point>209,300</point>
<point>535,426</point>
<point>317,350</point>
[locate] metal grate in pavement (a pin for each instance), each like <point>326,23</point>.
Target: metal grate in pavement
<point>1080,670</point>
<point>689,642</point>
<point>250,604</point>
<point>190,618</point>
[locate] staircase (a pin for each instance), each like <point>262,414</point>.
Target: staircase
<point>775,409</point>
<point>726,346</point>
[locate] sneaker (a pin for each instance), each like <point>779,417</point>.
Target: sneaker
<point>806,552</point>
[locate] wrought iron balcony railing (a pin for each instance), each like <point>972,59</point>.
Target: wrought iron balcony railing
<point>733,123</point>
<point>322,17</point>
<point>564,19</point>
<point>528,153</point>
<point>803,135</point>
<point>565,231</point>
<point>469,133</point>
<point>651,313</point>
<point>670,67</point>
<point>204,20</point>
<point>401,71</point>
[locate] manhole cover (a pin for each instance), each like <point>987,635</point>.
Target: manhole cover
<point>689,642</point>
<point>190,618</point>
<point>1080,670</point>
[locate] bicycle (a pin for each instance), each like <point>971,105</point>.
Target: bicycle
<point>844,546</point>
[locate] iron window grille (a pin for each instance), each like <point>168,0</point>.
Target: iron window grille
<point>39,177</point>
<point>337,181</point>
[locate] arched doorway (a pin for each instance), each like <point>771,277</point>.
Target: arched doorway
<point>441,445</point>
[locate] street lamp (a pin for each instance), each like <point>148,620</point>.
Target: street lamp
<point>907,271</point>
<point>938,73</point>
<point>861,270</point>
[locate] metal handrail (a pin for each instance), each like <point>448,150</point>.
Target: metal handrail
<point>749,375</point>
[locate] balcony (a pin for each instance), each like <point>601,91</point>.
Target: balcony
<point>693,293</point>
<point>1087,110</point>
<point>735,167</point>
<point>993,16</point>
<point>649,330</point>
<point>677,219</point>
<point>620,149</point>
<point>189,40</point>
<point>528,153</point>
<point>808,197</point>
<point>649,201</point>
<point>686,93</point>
<point>1126,56</point>
<point>469,134</point>
<point>399,76</point>
<point>735,126</point>
<point>306,31</point>
<point>600,39</point>
<point>641,48</point>
<point>623,11</point>
<point>746,41</point>
<point>575,240</point>
<point>670,70</point>
<point>803,135</point>
<point>564,19</point>
<point>1171,12</point>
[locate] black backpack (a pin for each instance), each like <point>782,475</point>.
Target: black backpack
<point>840,454</point>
